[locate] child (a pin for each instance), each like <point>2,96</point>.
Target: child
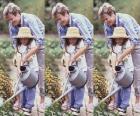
<point>74,43</point>
<point>120,43</point>
<point>25,41</point>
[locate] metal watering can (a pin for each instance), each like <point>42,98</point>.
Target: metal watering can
<point>77,77</point>
<point>123,78</point>
<point>29,79</point>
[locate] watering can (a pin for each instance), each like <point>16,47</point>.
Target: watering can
<point>123,78</point>
<point>28,77</point>
<point>77,77</point>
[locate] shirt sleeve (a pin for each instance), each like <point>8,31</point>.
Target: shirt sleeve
<point>129,25</point>
<point>85,31</point>
<point>36,30</point>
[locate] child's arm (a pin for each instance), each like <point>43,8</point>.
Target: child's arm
<point>81,51</point>
<point>31,52</point>
<point>126,52</point>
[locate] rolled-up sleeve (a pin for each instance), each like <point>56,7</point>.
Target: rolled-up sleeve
<point>37,30</point>
<point>130,26</point>
<point>84,30</point>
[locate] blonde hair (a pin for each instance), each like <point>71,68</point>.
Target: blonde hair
<point>11,8</point>
<point>106,8</point>
<point>59,8</point>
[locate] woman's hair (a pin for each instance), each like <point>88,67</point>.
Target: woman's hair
<point>106,8</point>
<point>11,8</point>
<point>59,8</point>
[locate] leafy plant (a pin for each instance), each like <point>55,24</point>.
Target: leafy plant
<point>101,49</point>
<point>53,52</point>
<point>6,49</point>
<point>101,110</point>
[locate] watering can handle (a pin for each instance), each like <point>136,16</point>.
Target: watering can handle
<point>76,63</point>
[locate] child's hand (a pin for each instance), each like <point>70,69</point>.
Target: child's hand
<point>18,71</point>
<point>114,71</point>
<point>71,61</point>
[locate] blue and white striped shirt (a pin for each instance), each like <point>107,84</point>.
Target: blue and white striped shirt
<point>82,23</point>
<point>34,23</point>
<point>129,23</point>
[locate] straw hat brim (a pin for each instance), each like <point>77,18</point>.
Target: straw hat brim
<point>16,37</point>
<point>66,37</point>
<point>113,37</point>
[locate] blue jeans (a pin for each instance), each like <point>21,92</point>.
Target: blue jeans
<point>123,97</point>
<point>28,98</point>
<point>76,97</point>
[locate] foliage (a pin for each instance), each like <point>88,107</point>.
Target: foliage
<point>101,49</point>
<point>128,6</point>
<point>5,93</point>
<point>98,63</point>
<point>3,63</point>
<point>55,110</point>
<point>101,110</point>
<point>53,52</point>
<point>52,84</point>
<point>100,85</point>
<point>6,49</point>
<point>36,7</point>
<point>7,110</point>
<point>78,6</point>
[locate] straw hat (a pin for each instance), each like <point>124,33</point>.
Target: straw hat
<point>119,32</point>
<point>24,32</point>
<point>72,32</point>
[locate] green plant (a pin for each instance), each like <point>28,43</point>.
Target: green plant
<point>101,110</point>
<point>101,49</point>
<point>55,110</point>
<point>6,49</point>
<point>52,53</point>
